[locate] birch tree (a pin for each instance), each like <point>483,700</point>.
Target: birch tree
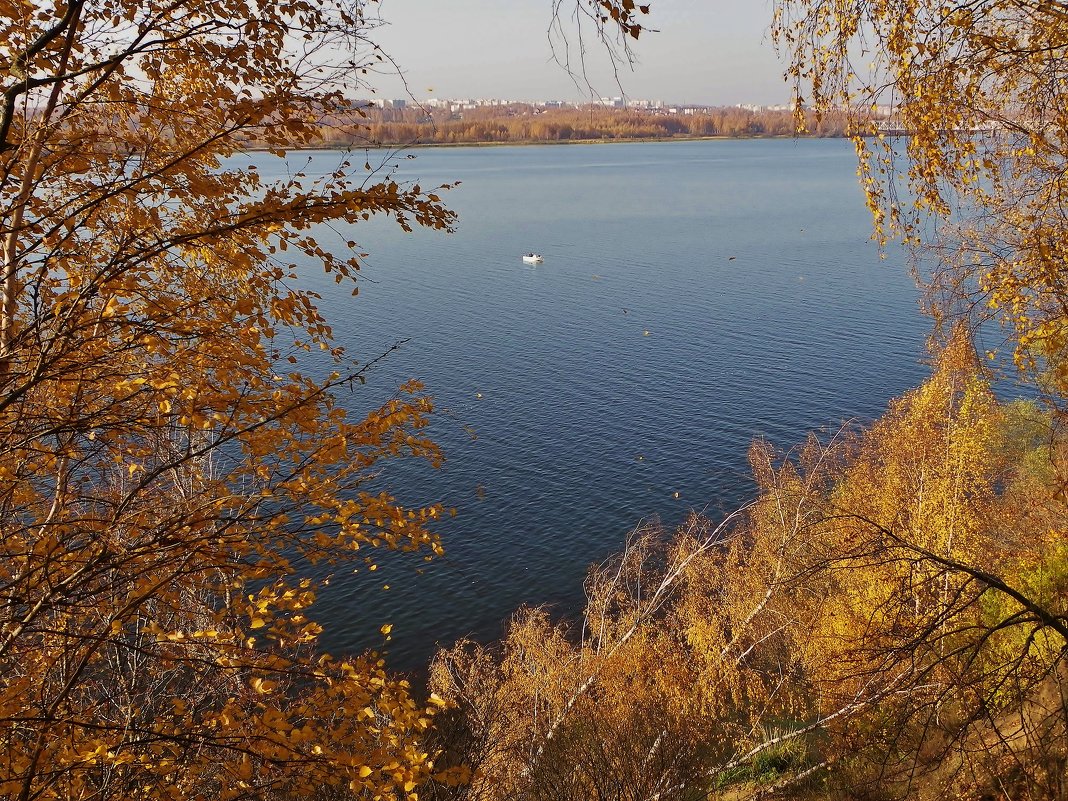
<point>165,462</point>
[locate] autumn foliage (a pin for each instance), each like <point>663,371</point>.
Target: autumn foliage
<point>519,123</point>
<point>980,89</point>
<point>872,625</point>
<point>169,459</point>
<point>887,619</point>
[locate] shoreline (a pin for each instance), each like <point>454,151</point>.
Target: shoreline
<point>543,142</point>
<point>604,141</point>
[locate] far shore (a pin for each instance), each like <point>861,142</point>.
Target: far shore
<point>546,142</point>
<point>606,141</point>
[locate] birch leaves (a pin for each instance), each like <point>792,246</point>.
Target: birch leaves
<point>164,463</point>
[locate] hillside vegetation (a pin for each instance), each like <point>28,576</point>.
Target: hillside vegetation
<point>885,620</point>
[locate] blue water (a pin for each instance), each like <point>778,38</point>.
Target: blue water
<point>694,296</point>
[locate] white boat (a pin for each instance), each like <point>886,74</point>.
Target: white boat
<point>533,258</point>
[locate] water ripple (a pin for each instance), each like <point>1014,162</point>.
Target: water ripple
<point>694,296</point>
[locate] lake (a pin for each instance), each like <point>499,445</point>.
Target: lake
<point>694,296</point>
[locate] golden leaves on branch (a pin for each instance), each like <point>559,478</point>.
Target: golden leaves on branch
<point>844,626</point>
<point>169,460</point>
<point>624,14</point>
<point>967,168</point>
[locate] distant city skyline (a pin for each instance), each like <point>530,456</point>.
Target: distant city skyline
<point>708,52</point>
<point>617,102</point>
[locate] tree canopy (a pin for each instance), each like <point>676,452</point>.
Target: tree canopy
<point>887,614</point>
<point>165,462</point>
<point>980,91</point>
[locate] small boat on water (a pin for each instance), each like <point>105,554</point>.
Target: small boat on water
<point>533,258</point>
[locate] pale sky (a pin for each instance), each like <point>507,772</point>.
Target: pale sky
<point>713,52</point>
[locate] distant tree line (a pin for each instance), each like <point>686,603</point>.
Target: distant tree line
<point>520,123</point>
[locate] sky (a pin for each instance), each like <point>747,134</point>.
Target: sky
<point>709,52</point>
